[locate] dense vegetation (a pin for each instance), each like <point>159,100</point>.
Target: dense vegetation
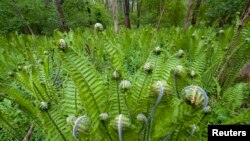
<point>156,82</point>
<point>42,17</point>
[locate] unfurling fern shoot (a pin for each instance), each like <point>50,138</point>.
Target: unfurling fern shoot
<point>120,123</point>
<point>161,85</point>
<point>62,45</point>
<point>180,53</point>
<point>196,96</point>
<point>115,75</point>
<point>44,105</point>
<point>98,27</point>
<point>142,118</point>
<point>148,67</point>
<point>120,127</point>
<point>157,50</point>
<point>192,73</point>
<point>104,116</point>
<point>71,120</point>
<point>81,126</point>
<point>125,85</point>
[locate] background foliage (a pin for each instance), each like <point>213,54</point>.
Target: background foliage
<point>42,17</point>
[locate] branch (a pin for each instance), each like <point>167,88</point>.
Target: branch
<point>28,135</point>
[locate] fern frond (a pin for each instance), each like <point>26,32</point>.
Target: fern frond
<point>117,100</point>
<point>10,126</point>
<point>233,96</point>
<point>241,118</point>
<point>55,125</point>
<point>21,99</point>
<point>89,85</point>
<point>71,102</point>
<point>115,55</point>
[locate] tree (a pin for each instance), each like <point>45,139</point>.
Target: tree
<point>138,13</point>
<point>126,14</point>
<point>60,11</point>
<point>244,15</point>
<point>195,12</point>
<point>187,18</point>
<point>115,15</point>
<point>132,5</point>
<point>222,12</point>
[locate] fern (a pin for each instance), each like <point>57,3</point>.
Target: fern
<point>116,56</point>
<point>233,96</point>
<point>71,102</point>
<point>89,84</point>
<point>79,91</point>
<point>9,125</point>
<point>241,118</point>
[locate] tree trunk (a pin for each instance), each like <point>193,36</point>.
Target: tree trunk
<point>187,18</point>
<point>115,15</point>
<point>138,9</point>
<point>195,12</point>
<point>120,5</point>
<point>132,5</point>
<point>59,8</point>
<point>126,14</point>
<point>107,4</point>
<point>244,15</point>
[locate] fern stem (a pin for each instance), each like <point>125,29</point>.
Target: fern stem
<point>145,131</point>
<point>154,108</point>
<point>145,125</point>
<point>118,96</point>
<point>58,72</point>
<point>175,84</point>
<point>142,117</point>
<point>125,100</point>
<point>148,104</point>
<point>120,127</point>
<point>106,129</point>
<point>57,128</point>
